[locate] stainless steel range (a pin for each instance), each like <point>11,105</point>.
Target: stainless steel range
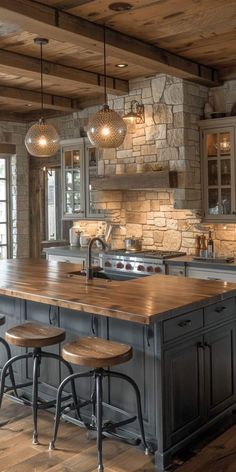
<point>124,265</point>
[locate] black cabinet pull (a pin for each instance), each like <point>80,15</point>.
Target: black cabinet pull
<point>184,323</point>
<point>219,309</point>
<point>207,345</point>
<point>200,345</point>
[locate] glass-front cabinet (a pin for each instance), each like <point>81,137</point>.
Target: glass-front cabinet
<point>79,167</point>
<point>218,169</point>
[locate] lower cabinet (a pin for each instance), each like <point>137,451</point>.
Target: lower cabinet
<point>199,381</point>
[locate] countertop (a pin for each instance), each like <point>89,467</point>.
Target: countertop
<point>184,260</point>
<point>142,300</point>
<point>189,261</point>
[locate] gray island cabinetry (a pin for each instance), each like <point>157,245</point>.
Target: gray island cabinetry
<point>184,345</point>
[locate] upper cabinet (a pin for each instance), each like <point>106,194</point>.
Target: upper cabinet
<point>218,169</point>
<point>79,166</point>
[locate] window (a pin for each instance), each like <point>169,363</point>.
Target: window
<point>53,206</point>
<point>4,207</point>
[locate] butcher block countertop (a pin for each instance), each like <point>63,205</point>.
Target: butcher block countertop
<point>142,300</point>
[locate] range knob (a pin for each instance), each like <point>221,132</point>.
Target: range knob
<point>149,269</point>
<point>141,268</point>
<point>128,267</point>
<point>119,265</point>
<point>157,269</point>
<point>107,264</point>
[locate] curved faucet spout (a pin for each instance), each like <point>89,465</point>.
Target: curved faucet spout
<point>89,275</point>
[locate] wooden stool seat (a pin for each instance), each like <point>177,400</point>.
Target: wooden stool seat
<point>96,352</point>
<point>32,334</point>
<point>2,320</point>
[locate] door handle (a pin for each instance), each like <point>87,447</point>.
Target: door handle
<point>184,323</point>
<point>219,309</point>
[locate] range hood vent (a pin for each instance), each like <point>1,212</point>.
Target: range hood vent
<point>148,180</point>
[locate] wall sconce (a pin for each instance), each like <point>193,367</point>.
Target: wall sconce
<point>135,116</point>
<point>49,171</point>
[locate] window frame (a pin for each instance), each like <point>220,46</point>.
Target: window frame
<point>8,221</point>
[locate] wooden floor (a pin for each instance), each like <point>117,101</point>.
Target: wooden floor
<point>75,453</point>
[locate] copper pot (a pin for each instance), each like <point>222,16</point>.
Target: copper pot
<point>133,244</point>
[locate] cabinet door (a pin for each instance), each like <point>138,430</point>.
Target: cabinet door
<point>183,389</point>
<point>141,368</point>
<point>219,173</point>
<point>220,368</point>
<point>73,180</point>
<point>91,172</point>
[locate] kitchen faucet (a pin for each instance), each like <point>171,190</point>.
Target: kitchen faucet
<point>89,271</point>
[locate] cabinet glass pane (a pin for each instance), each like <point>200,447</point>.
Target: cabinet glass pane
<point>76,201</point>
<point>2,189</point>
<point>212,172</point>
<point>3,234</point>
<point>224,144</point>
<point>3,212</point>
<point>225,172</point>
<point>92,157</point>
<point>69,185</point>
<point>213,202</point>
<point>3,252</point>
<point>226,201</point>
<point>68,159</point>
<point>212,145</point>
<point>76,180</point>
<point>76,158</point>
<point>2,168</point>
<point>69,202</point>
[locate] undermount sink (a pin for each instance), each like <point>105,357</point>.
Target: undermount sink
<point>97,274</point>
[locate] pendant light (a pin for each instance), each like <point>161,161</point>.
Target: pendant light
<point>42,139</point>
<point>106,128</point>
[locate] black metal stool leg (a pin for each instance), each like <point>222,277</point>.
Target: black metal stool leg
<point>98,376</point>
<point>139,407</point>
<point>70,369</point>
<point>11,374</point>
<point>59,408</point>
<point>36,366</point>
<point>5,369</point>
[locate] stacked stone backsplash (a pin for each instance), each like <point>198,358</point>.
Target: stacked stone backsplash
<point>169,139</point>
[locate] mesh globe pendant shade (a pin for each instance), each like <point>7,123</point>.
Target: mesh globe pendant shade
<point>42,139</point>
<point>106,128</point>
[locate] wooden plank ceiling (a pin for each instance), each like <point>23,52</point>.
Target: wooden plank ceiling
<point>193,39</point>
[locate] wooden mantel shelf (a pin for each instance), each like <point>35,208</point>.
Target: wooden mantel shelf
<point>142,181</point>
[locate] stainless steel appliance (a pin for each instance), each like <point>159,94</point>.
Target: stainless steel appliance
<point>122,265</point>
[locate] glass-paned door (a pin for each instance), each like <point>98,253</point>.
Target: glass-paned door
<point>4,208</point>
<point>73,158</point>
<point>91,157</point>
<point>219,173</point>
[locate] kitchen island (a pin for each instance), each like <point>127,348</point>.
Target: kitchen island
<point>182,332</point>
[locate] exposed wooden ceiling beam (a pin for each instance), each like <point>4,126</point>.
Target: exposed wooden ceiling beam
<point>47,21</point>
<point>30,67</point>
<point>53,102</point>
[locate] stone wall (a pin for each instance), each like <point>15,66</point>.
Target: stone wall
<point>169,138</point>
<point>223,98</point>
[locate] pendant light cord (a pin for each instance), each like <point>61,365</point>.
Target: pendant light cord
<point>41,75</point>
<point>104,65</point>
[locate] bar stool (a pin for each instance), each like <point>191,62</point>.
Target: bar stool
<point>8,352</point>
<point>97,353</point>
<point>34,335</point>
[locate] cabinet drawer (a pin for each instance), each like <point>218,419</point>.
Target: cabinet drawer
<point>218,311</point>
<point>182,324</point>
